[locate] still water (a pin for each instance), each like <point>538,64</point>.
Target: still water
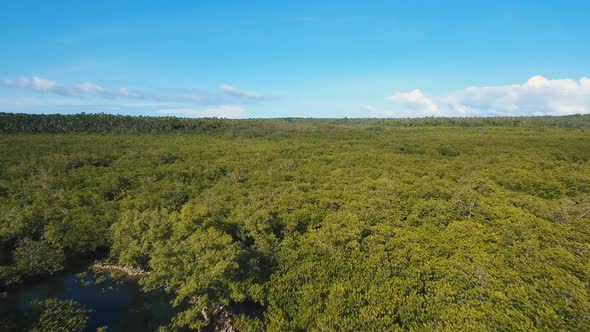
<point>120,304</point>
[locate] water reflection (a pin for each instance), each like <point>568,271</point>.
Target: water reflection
<point>119,304</point>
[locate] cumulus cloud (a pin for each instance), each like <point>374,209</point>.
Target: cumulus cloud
<point>226,94</point>
<point>537,96</point>
<point>415,100</point>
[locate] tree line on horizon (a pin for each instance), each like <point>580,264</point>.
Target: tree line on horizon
<point>109,123</point>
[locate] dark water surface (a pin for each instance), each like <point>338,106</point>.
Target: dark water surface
<point>120,304</point>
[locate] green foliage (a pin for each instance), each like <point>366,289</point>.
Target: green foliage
<point>202,269</point>
<point>108,123</point>
<point>135,234</point>
<point>60,316</point>
<point>367,224</point>
<point>101,123</point>
<point>37,257</point>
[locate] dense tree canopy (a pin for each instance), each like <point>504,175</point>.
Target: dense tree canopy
<point>108,123</point>
<point>446,224</point>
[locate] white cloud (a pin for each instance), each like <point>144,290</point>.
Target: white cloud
<point>124,92</point>
<point>224,111</point>
<point>537,96</point>
<point>415,100</point>
<point>227,95</point>
<point>235,92</point>
<point>86,89</point>
<point>32,83</point>
<point>90,88</point>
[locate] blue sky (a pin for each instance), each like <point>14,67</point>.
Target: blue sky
<point>295,59</point>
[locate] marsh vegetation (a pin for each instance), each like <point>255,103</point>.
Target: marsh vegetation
<point>338,225</point>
